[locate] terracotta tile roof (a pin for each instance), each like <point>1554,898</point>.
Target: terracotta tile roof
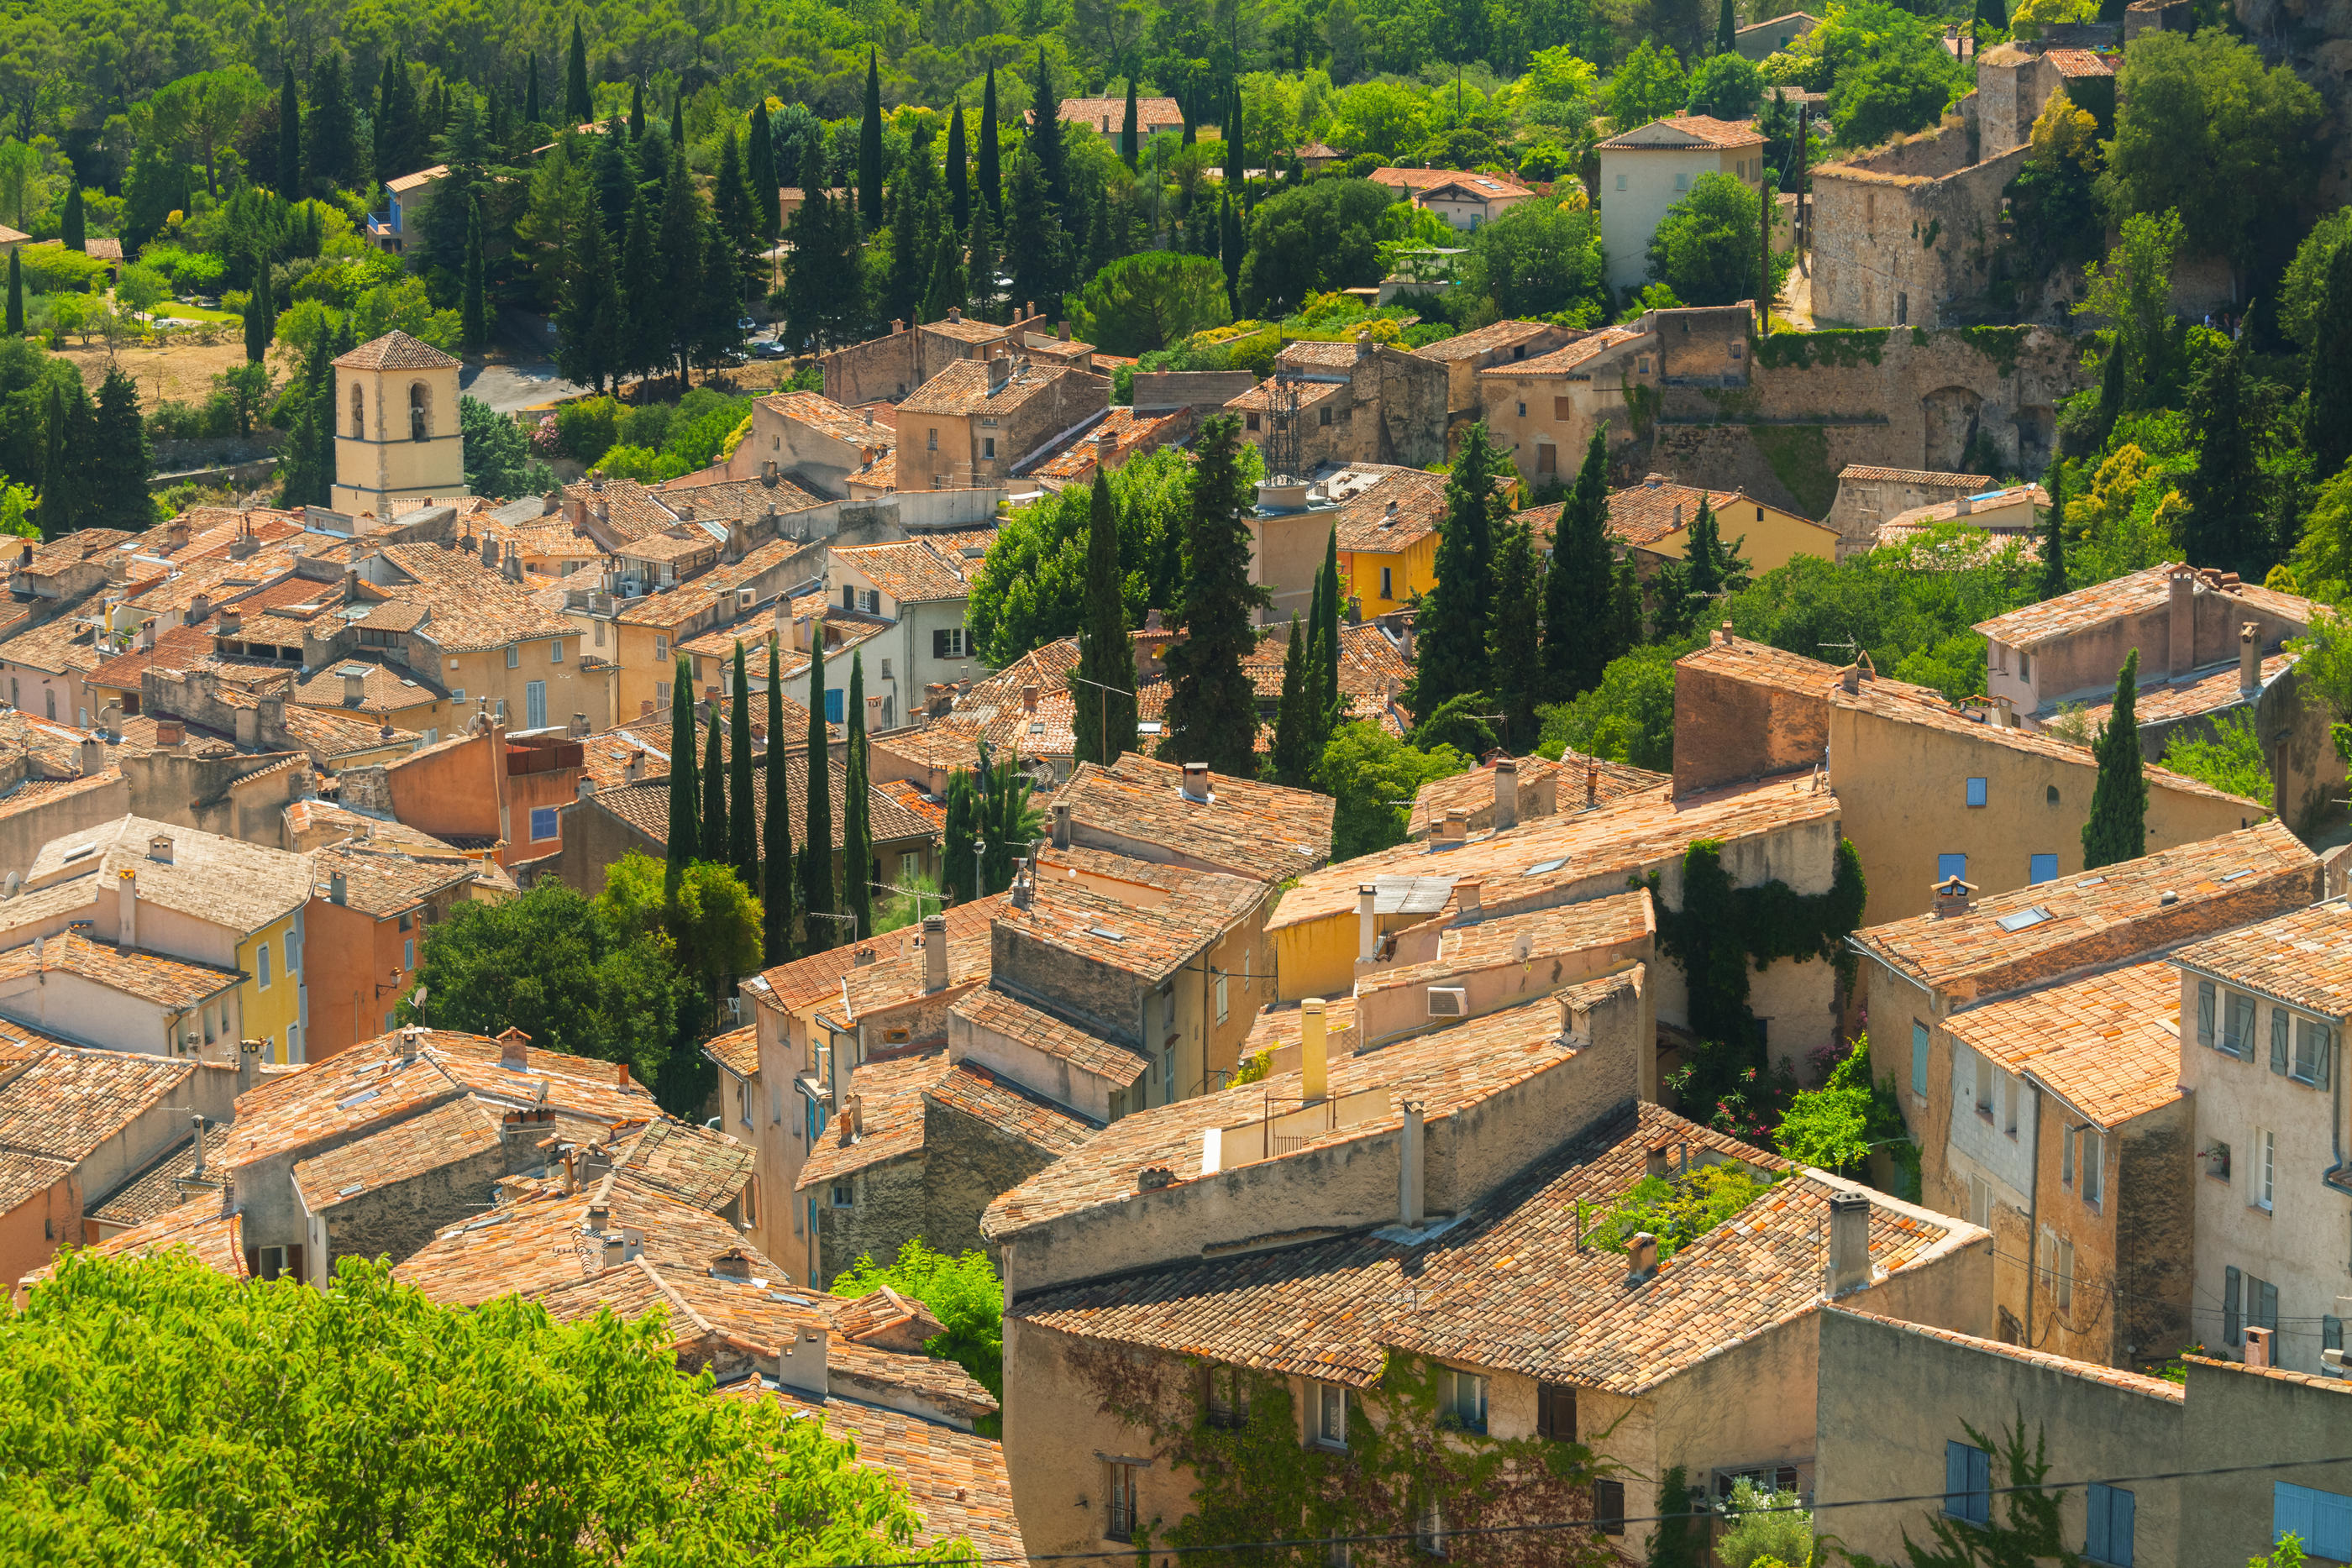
<point>2088,1371</point>
<point>890,1119</point>
<point>1000,1103</point>
<point>1244,827</point>
<point>1509,1287</point>
<point>1231,896</point>
<point>821,414</point>
<point>23,1176</point>
<point>473,608</point>
<point>536,1244</point>
<point>909,794</point>
<point>1568,361</point>
<point>1627,836</point>
<point>67,1102</point>
<point>624,509</point>
<point>1968,482</point>
<point>2205,691</point>
<point>993,1009</point>
<point>1760,664</point>
<point>2101,915</point>
<point>1398,510</point>
<point>2107,1044</point>
<point>1132,433</point>
<point>646,806</point>
<point>853,1369</point>
<point>817,979</point>
<point>2304,959</point>
<point>1473,793</point>
<point>966,329</point>
<point>962,389</point>
<point>910,572</point>
<point>156,1189</point>
<point>150,976</point>
<point>738,1050</point>
<point>1484,339</point>
<point>384,881</point>
<point>2073,63</point>
<point>1260,397</point>
<point>2134,594</point>
<point>406,1149</point>
<point>37,792</point>
<point>1092,112</point>
<point>216,1239</point>
<point>897,977</point>
<point>1150,943</point>
<point>314,822</point>
<point>884,1317</point>
<point>382,690</point>
<point>1776,21</point>
<point>1645,513</point>
<point>1698,129</point>
<point>397,351</point>
<point>1277,1024</point>
<point>102,249</point>
<point>693,1164</point>
<point>1419,180</point>
<point>224,881</point>
<point>2277,1374</point>
<point>1989,500</point>
<point>1534,937</point>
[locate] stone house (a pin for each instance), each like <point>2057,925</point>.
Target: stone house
<point>69,987</point>
<point>1483,799</point>
<point>1653,520</point>
<point>1868,495</point>
<point>1189,817</point>
<point>1543,410</point>
<point>2016,81</point>
<point>1386,519</point>
<point>1106,116</point>
<point>814,440</point>
<point>1989,1104</point>
<point>1773,36</point>
<point>886,369</point>
<point>1358,402</point>
<point>921,592</point>
<point>1467,202</point>
<point>366,928</point>
<point>1465,354</point>
<point>1906,236</point>
<point>2263,1012</point>
<point>1647,170</point>
<point>2009,513</point>
<point>977,421</point>
<point>1289,1256</point>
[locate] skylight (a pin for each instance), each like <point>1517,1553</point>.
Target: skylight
<point>1106,936</point>
<point>2023,918</point>
<point>2093,882</point>
<point>1542,867</point>
<point>2241,871</point>
<point>362,1098</point>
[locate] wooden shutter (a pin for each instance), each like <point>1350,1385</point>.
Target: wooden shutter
<point>2230,1326</point>
<point>294,1261</point>
<point>938,644</point>
<point>2268,1313</point>
<point>2278,1041</point>
<point>1556,1413</point>
<point>253,1262</point>
<point>2205,1012</point>
<point>1563,409</point>
<point>1956,1478</point>
<point>2323,1044</point>
<point>2094,1532</point>
<point>1609,1507</point>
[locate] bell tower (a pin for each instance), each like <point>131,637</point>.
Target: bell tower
<point>397,426</point>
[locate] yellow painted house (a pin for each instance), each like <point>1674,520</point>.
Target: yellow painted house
<point>1653,520</point>
<point>1388,539</point>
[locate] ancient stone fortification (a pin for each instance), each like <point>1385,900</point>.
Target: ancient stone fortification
<point>1901,398</point>
<point>1907,236</point>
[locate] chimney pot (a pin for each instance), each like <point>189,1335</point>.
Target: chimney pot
<point>1196,782</point>
<point>861,957</point>
<point>2258,1347</point>
<point>2250,657</point>
<point>1952,897</point>
<point>1152,1179</point>
<point>1456,827</point>
<point>1061,824</point>
<point>1314,1052</point>
<point>1849,1242</point>
<point>599,1216</point>
<point>1506,795</point>
<point>1367,921</point>
<point>514,1052</point>
<point>935,952</point>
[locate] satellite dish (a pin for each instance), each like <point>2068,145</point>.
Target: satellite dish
<point>1525,945</point>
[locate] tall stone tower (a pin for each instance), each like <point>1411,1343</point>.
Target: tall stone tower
<point>397,426</point>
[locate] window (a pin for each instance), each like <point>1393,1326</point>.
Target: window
<point>2066,1156</point>
<point>661,695</point>
<point>1555,1412</point>
<point>951,644</point>
<point>2313,1042</point>
<point>2065,1281</point>
<point>542,822</point>
<point>832,709</point>
<point>2041,869</point>
<point>1609,1507</point>
<point>2261,1304</point>
<point>1547,457</point>
<point>1681,182</point>
<point>1227,1397</point>
<point>1902,309</point>
<point>1220,999</point>
<point>1119,1486</point>
<point>420,412</point>
<point>1331,1414</point>
<point>2265,1186</point>
<point>1621,182</point>
<point>1429,1529</point>
<point>1523,409</point>
<point>2109,1536</point>
<point>2094,1165</point>
<point>1919,1059</point>
<point>2025,673</point>
<point>2205,1007</point>
<point>1250,420</point>
<point>2008,1104</point>
<point>2322,1521</point>
<point>661,645</point>
<point>534,704</point>
<point>1967,1483</point>
<point>261,965</point>
<point>1388,589</point>
<point>1986,1073</point>
<point>841,1195</point>
<point>1948,866</point>
<point>555,650</point>
<point>408,954</point>
<point>1325,413</point>
<point>988,446</point>
<point>931,441</point>
<point>1463,1400</point>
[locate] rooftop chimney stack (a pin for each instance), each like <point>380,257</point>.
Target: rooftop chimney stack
<point>935,952</point>
<point>1408,1184</point>
<point>1641,1258</point>
<point>1314,1049</point>
<point>1368,928</point>
<point>92,756</point>
<point>1952,897</point>
<point>2258,1347</point>
<point>1456,826</point>
<point>1196,782</point>
<point>2182,643</point>
<point>731,1264</point>
<point>338,888</point>
<point>127,901</point>
<point>2250,657</point>
<point>1592,784</point>
<point>1506,795</point>
<point>514,1053</point>
<point>1061,824</point>
<point>1849,1242</point>
<point>1468,894</point>
<point>1964,506</point>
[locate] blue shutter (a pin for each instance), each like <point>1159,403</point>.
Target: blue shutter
<point>1980,1486</point>
<point>2290,1513</point>
<point>2266,1311</point>
<point>1976,792</point>
<point>2094,1529</point>
<point>2331,1527</point>
<point>1956,1478</point>
<point>1919,1059</point>
<point>2041,869</point>
<point>2120,1509</point>
<point>833,704</point>
<point>1950,865</point>
<point>2278,1041</point>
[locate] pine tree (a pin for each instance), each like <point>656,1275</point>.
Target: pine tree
<point>869,146</point>
<point>1576,635</point>
<point>816,836</point>
<point>1727,29</point>
<point>121,460</point>
<point>1212,714</point>
<point>760,175</point>
<point>289,136</point>
<point>2224,490</point>
<point>637,110</point>
<point>776,836</point>
<point>1103,725</point>
<point>474,309</point>
<point>1451,633</point>
<point>958,176</point>
<point>1046,135</point>
<point>991,189</point>
<point>588,314</point>
<point>1513,628</point>
<point>531,111</point>
<point>2053,536</point>
<point>1230,251</point>
<point>2117,830</point>
<point>579,107</point>
<point>1130,148</point>
<point>1295,757</point>
<point>16,295</point>
<point>260,314</point>
<point>717,831</point>
<point>857,810</point>
<point>2327,427</point>
<point>685,845</point>
<point>72,225</point>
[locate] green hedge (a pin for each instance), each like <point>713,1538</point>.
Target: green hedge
<point>51,269</point>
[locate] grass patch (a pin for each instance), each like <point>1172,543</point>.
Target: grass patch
<point>1677,1210</point>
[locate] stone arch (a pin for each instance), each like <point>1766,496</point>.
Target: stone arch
<point>1949,414</point>
<point>420,411</point>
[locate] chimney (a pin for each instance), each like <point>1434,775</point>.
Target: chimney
<point>2183,641</point>
<point>1722,635</point>
<point>489,552</point>
<point>338,888</point>
<point>1061,824</point>
<point>587,787</point>
<point>615,1250</point>
<point>861,957</point>
<point>1106,446</point>
<point>1314,1048</point>
<point>955,313</point>
<point>513,1054</point>
<point>159,848</point>
<point>1641,1258</point>
<point>1468,893</point>
<point>92,756</point>
<point>2250,657</point>
<point>731,1264</point>
<point>1024,884</point>
<point>935,953</point>
<point>1028,699</point>
<point>1850,678</point>
<point>1592,784</point>
<point>167,733</point>
<point>2258,1347</point>
<point>599,1216</point>
<point>1964,506</point>
<point>1196,782</point>
<point>1506,795</point>
<point>636,765</point>
<point>1952,897</point>
<point>1456,826</point>
<point>1152,1178</point>
<point>1678,514</point>
<point>127,906</point>
<point>1000,369</point>
<point>1409,1186</point>
<point>1368,934</point>
<point>897,325</point>
<point>354,685</point>
<point>1849,1242</point>
<point>632,1243</point>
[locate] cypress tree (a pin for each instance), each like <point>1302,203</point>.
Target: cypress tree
<point>992,188</point>
<point>1514,626</point>
<point>289,136</point>
<point>1996,12</point>
<point>579,106</point>
<point>957,834</point>
<point>1237,157</point>
<point>684,797</point>
<point>260,317</point>
<point>1451,637</point>
<point>959,173</point>
<point>588,313</point>
<point>1130,148</point>
<point>16,324</point>
<point>1104,722</point>
<point>1294,753</point>
<point>1727,29</point>
<point>857,810</point>
<point>1229,248</point>
<point>2224,525</point>
<point>1046,131</point>
<point>946,289</point>
<point>869,146</point>
<point>636,111</point>
<point>1576,632</point>
<point>980,265</point>
<point>530,112</point>
<point>717,832</point>
<point>678,120</point>
<point>72,226</point>
<point>309,464</point>
<point>474,309</point>
<point>66,435</point>
<point>120,462</point>
<point>2117,830</point>
<point>817,837</point>
<point>2327,427</point>
<point>1625,629</point>
<point>736,214</point>
<point>643,341</point>
<point>776,837</point>
<point>1324,651</point>
<point>2053,536</point>
<point>760,175</point>
<point>742,823</point>
<point>1211,714</point>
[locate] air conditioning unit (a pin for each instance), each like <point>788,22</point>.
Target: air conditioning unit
<point>1448,1002</point>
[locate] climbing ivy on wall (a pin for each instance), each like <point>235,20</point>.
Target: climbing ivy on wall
<point>1844,346</point>
<point>1798,455</point>
<point>1254,1480</point>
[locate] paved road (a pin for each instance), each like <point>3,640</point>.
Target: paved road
<point>510,388</point>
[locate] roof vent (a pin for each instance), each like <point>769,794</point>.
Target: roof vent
<point>1152,1179</point>
<point>158,849</point>
<point>2167,896</point>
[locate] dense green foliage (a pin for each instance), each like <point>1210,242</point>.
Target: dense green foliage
<point>2117,828</point>
<point>1835,1127</point>
<point>963,1292</point>
<point>1677,1210</point>
<point>1032,585</point>
<point>2229,760</point>
<point>1373,777</point>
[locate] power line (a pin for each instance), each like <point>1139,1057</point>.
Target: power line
<point>1554,1526</point>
